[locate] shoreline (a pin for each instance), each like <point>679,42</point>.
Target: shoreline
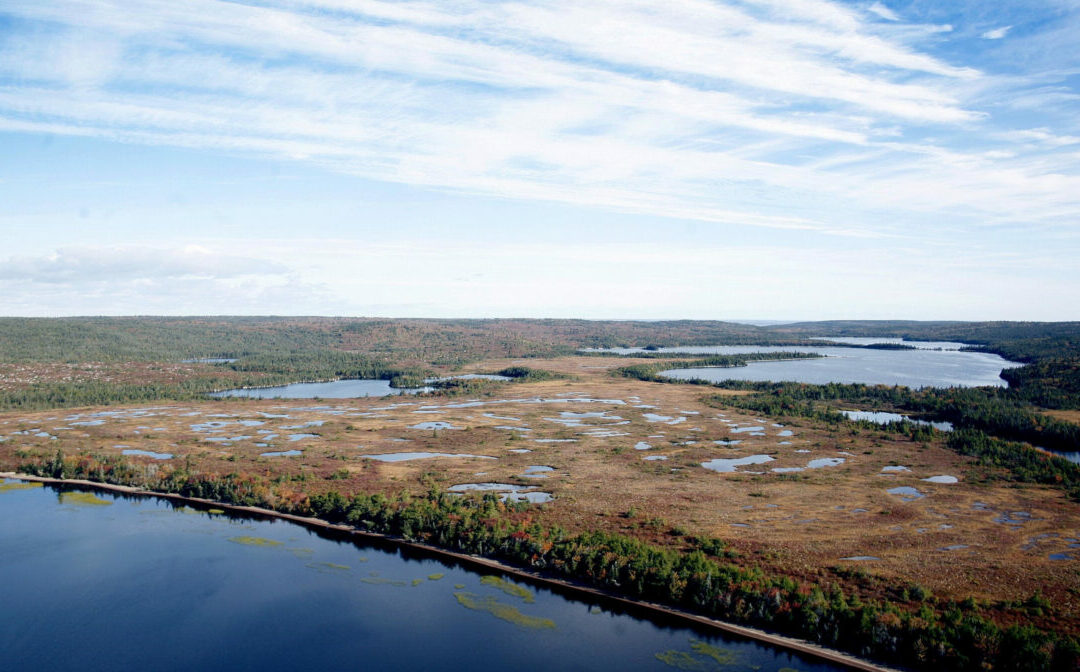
<point>802,647</point>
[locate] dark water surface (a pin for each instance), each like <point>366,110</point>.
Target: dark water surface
<point>93,581</point>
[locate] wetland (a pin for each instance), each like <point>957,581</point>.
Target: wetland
<point>755,502</point>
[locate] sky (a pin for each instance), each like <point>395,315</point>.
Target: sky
<point>725,159</point>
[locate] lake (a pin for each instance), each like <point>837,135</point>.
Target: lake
<point>94,581</point>
<point>349,388</point>
<point>920,367</point>
<point>335,389</point>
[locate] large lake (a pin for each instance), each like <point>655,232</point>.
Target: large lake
<point>97,582</point>
<point>922,367</point>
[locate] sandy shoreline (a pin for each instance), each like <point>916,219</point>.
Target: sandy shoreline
<point>789,643</point>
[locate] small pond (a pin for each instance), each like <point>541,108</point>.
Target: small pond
<point>945,479</point>
<point>434,424</point>
<point>282,453</point>
<point>147,453</point>
<point>537,471</point>
<point>907,493</point>
<point>406,457</point>
<point>507,492</point>
<point>729,465</point>
<point>882,418</point>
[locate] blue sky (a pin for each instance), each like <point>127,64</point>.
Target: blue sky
<point>783,159</point>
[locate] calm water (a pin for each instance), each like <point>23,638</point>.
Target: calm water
<point>883,418</point>
<point>344,389</point>
<point>336,389</point>
<point>922,345</point>
<point>923,367</point>
<point>129,584</point>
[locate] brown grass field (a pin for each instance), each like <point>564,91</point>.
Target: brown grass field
<point>972,538</point>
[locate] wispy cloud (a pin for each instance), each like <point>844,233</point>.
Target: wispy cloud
<point>137,279</point>
<point>996,33</point>
<point>883,11</point>
<point>132,263</point>
<point>851,125</point>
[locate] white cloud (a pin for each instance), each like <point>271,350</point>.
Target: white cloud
<point>996,33</point>
<point>883,12</point>
<point>1044,136</point>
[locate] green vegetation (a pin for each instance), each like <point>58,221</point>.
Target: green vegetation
<point>508,587</point>
<point>128,360</point>
<point>255,541</point>
<point>651,372</point>
<point>504,612</point>
<point>83,499</point>
<point>1020,462</point>
<point>702,657</point>
<point>61,395</point>
<point>434,342</point>
<point>10,487</point>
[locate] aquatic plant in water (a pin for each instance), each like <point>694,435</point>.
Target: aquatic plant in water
<point>380,581</point>
<point>504,612</point>
<point>255,541</point>
<point>83,499</point>
<point>702,657</point>
<point>8,487</point>
<point>331,565</point>
<point>511,589</point>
